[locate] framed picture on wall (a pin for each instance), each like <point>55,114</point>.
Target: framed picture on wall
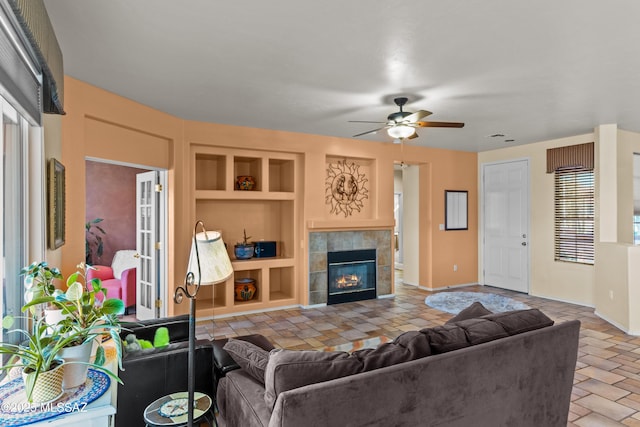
<point>455,210</point>
<point>55,204</point>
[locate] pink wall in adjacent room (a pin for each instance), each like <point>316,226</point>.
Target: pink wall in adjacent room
<point>111,195</point>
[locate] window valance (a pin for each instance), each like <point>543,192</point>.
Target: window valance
<point>572,156</point>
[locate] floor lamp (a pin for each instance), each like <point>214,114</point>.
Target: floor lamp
<point>209,264</point>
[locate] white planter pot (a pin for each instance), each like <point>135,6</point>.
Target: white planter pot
<point>52,317</point>
<point>75,374</point>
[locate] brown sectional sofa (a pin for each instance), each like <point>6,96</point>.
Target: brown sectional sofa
<point>503,369</point>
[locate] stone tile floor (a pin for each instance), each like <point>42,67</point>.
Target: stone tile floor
<point>606,388</point>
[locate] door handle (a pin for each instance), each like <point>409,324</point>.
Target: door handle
<point>136,255</point>
<point>524,243</point>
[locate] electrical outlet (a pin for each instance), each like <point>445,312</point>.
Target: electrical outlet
<point>455,267</point>
<point>611,295</point>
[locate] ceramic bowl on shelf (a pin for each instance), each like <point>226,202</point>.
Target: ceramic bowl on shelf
<point>245,182</point>
<point>244,289</point>
<point>242,251</point>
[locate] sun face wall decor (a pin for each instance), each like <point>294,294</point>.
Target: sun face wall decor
<point>345,189</point>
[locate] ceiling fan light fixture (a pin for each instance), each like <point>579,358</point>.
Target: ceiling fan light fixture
<point>401,131</point>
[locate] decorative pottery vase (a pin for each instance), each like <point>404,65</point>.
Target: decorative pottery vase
<point>245,182</point>
<point>244,289</point>
<point>47,386</point>
<point>75,374</point>
<point>244,251</point>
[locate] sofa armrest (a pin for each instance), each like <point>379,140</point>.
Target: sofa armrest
<point>178,328</point>
<point>128,284</point>
<point>102,272</point>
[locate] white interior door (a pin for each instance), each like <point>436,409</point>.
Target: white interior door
<point>147,245</point>
<point>506,225</point>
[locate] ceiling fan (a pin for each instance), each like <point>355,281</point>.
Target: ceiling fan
<point>403,124</point>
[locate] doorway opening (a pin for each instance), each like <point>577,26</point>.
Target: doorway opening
<point>112,205</point>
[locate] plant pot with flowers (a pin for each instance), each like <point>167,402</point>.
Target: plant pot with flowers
<point>86,318</point>
<point>245,249</point>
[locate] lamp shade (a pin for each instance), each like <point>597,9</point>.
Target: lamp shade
<point>215,264</point>
<point>401,131</point>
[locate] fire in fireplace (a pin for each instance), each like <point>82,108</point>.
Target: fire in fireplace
<point>351,275</point>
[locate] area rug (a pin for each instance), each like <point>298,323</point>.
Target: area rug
<point>454,302</point>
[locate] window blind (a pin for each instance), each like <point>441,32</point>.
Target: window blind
<point>574,215</point>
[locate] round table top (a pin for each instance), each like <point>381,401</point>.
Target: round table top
<point>171,410</point>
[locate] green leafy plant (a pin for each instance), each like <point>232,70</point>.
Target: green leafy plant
<point>39,281</point>
<point>93,240</point>
<point>86,317</point>
<point>41,351</point>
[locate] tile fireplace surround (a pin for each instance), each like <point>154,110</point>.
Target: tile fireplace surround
<point>322,242</point>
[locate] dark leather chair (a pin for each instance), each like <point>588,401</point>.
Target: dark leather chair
<point>153,373</point>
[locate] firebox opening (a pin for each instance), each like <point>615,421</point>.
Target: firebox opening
<point>351,276</point>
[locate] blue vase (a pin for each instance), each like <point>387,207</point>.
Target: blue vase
<point>244,251</point>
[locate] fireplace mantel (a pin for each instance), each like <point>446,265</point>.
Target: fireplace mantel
<point>336,224</point>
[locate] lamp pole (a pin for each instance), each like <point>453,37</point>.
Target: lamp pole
<point>190,290</point>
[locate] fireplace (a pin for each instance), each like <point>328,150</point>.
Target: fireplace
<point>351,275</point>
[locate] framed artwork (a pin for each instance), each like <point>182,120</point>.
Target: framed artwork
<point>456,210</point>
<point>55,204</point>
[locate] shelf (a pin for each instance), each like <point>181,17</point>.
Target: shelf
<point>281,176</point>
<point>272,262</point>
<point>248,166</point>
<point>210,172</point>
<point>256,275</point>
<point>268,212</point>
<point>281,283</point>
<point>242,195</point>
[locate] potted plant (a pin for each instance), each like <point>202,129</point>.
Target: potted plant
<point>245,249</point>
<point>93,241</point>
<point>85,318</point>
<point>39,283</point>
<point>39,358</point>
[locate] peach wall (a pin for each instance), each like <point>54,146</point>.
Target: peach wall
<point>441,170</point>
<point>103,125</point>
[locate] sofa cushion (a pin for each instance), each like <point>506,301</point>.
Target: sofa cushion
<point>289,369</point>
<point>519,321</point>
<point>446,338</point>
<point>473,311</point>
<point>481,330</point>
<point>406,347</point>
<point>249,357</point>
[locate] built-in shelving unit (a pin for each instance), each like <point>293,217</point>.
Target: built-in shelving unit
<point>268,212</point>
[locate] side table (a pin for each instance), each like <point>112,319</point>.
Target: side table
<point>171,410</point>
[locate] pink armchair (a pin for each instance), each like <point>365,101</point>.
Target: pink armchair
<point>120,278</point>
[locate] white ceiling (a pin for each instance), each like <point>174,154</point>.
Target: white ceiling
<point>531,70</point>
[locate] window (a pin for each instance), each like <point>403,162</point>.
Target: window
<point>574,215</point>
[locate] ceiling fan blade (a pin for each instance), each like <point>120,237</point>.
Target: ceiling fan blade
<point>363,121</point>
<point>439,124</point>
<point>370,131</point>
<point>417,116</point>
<point>415,135</point>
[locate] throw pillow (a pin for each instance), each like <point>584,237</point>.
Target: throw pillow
<point>289,369</point>
<point>251,358</point>
<point>473,311</point>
